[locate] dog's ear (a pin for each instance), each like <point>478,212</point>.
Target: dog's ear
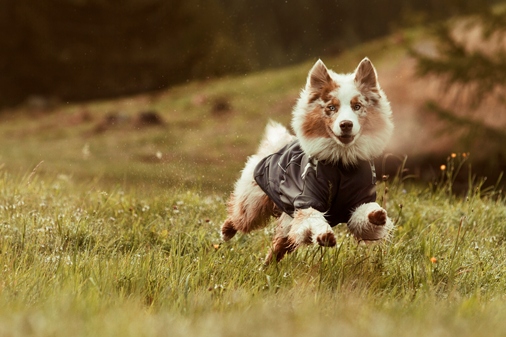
<point>318,77</point>
<point>366,76</point>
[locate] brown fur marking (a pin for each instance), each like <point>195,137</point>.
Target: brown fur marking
<point>327,239</point>
<point>253,214</point>
<point>319,77</point>
<point>318,122</point>
<point>280,247</point>
<point>366,76</point>
<point>228,230</point>
<point>332,101</point>
<point>323,93</point>
<point>307,237</point>
<point>355,100</point>
<point>314,124</point>
<point>321,84</point>
<point>368,82</point>
<point>378,217</point>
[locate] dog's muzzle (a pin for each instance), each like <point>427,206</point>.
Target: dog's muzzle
<point>346,136</point>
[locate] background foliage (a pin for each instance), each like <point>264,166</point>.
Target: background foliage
<point>83,49</point>
<point>470,62</point>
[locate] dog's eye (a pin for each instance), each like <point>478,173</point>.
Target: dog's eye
<point>357,107</point>
<point>332,108</point>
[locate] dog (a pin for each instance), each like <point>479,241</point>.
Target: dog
<point>324,174</point>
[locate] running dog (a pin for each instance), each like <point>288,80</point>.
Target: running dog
<point>324,174</point>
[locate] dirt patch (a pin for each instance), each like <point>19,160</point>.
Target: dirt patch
<point>221,106</point>
<point>120,120</point>
<point>148,118</point>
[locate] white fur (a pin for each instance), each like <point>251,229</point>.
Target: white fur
<point>244,190</point>
<point>364,146</point>
<point>347,90</point>
<point>308,220</point>
<point>284,225</point>
<point>359,223</point>
<point>276,136</point>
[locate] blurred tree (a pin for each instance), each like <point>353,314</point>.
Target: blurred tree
<point>84,49</point>
<point>471,63</point>
<point>81,49</point>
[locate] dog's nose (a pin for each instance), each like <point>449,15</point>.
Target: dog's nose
<point>346,126</point>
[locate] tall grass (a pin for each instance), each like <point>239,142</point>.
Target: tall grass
<point>79,260</point>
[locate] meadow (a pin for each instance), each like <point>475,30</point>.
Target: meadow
<point>81,260</point>
<point>109,227</point>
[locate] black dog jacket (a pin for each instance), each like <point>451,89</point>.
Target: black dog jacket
<point>293,180</point>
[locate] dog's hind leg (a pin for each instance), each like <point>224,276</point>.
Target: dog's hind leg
<point>281,245</point>
<point>249,208</point>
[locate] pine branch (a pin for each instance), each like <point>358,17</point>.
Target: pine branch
<point>477,127</point>
<point>461,68</point>
<point>493,23</point>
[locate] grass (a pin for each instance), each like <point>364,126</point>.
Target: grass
<point>199,146</point>
<point>115,231</point>
<point>83,260</point>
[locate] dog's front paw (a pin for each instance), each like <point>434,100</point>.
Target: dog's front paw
<point>378,217</point>
<point>326,239</point>
<point>309,226</point>
<point>370,223</point>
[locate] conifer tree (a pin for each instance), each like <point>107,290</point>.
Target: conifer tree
<point>471,74</point>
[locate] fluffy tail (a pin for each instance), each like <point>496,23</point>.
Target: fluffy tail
<point>276,136</point>
<point>249,208</point>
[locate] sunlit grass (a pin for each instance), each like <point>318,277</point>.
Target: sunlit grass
<point>81,259</point>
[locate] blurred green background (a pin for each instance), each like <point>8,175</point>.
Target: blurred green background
<point>170,93</point>
<point>86,49</point>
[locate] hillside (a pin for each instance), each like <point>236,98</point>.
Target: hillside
<point>199,134</point>
<point>208,128</point>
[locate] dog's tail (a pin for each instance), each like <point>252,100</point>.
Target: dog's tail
<point>276,136</point>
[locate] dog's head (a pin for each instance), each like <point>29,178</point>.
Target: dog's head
<point>343,117</point>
